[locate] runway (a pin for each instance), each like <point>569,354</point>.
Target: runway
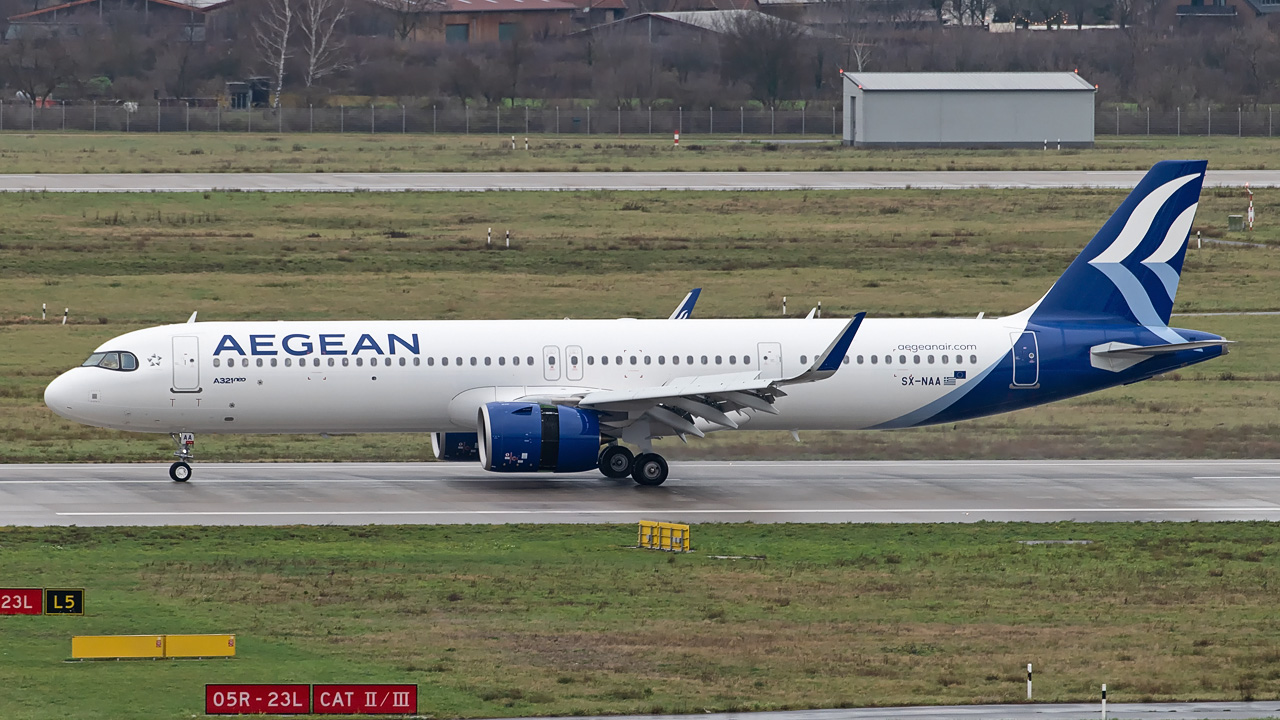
<point>762,492</point>
<point>568,181</point>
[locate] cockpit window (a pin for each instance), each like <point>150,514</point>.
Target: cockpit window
<point>113,361</point>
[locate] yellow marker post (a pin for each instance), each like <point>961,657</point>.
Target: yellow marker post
<point>98,647</point>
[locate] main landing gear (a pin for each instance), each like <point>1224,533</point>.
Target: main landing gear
<point>180,471</point>
<point>647,468</point>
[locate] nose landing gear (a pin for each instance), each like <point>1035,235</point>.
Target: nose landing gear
<point>180,471</point>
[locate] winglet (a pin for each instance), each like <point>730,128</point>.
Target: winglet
<point>684,310</point>
<point>827,364</point>
<point>192,319</point>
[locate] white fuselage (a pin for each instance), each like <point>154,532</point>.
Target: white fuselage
<point>352,377</point>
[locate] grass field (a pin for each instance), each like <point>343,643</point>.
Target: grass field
<point>123,262</point>
<point>354,152</point>
<point>560,620</point>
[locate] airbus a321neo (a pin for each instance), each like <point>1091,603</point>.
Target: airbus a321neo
<point>572,395</point>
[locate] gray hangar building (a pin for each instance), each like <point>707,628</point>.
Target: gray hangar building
<point>956,109</point>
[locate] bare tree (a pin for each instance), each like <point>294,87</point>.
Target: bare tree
<point>37,65</point>
<point>764,51</point>
<point>410,14</point>
<point>271,34</point>
<point>324,49</point>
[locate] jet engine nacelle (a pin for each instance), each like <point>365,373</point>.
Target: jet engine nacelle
<point>456,447</point>
<point>531,437</point>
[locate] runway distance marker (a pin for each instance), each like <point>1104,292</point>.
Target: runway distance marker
<point>21,601</point>
<point>64,601</point>
<point>249,699</point>
<point>365,699</point>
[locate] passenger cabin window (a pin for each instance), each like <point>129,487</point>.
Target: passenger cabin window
<point>973,359</point>
<point>217,362</point>
<point>529,360</point>
<point>804,359</point>
<point>288,362</point>
<point>859,359</point>
<point>604,359</point>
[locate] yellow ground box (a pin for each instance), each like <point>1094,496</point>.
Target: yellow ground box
<point>88,647</point>
<point>199,646</point>
<point>665,536</point>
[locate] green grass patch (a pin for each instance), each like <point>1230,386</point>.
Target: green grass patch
<point>356,152</point>
<point>563,620</point>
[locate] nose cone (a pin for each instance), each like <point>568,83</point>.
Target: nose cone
<point>60,396</point>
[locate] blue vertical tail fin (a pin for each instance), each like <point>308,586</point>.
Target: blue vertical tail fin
<point>1130,270</point>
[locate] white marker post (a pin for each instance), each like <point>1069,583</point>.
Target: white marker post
<point>784,306</point>
<point>44,310</point>
<point>677,136</point>
<point>526,143</point>
<point>1028,681</point>
<point>1104,701</point>
<point>819,309</point>
<point>508,238</point>
<point>64,315</point>
<point>1249,216</point>
<point>513,142</point>
<point>488,240</point>
<point>1197,239</point>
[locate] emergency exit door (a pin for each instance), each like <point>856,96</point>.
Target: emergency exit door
<point>770,360</point>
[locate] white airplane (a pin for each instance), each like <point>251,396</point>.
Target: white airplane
<point>564,395</point>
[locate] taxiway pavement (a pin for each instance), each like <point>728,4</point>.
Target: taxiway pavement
<point>378,493</point>
<point>731,181</point>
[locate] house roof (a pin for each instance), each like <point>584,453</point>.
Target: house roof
<point>200,6</point>
<point>970,81</point>
<point>467,6</point>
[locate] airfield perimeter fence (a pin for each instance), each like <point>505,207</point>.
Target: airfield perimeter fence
<point>566,120</point>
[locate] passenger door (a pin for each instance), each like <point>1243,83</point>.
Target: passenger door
<point>186,363</point>
<point>1026,360</point>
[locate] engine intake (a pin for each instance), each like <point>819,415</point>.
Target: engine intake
<point>456,447</point>
<point>530,437</point>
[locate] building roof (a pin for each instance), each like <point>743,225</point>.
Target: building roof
<point>970,81</point>
<point>467,6</point>
<point>716,21</point>
<point>196,5</point>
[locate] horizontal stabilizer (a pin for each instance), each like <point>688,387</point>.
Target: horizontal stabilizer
<point>1117,356</point>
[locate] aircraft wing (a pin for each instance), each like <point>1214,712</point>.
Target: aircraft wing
<point>684,310</point>
<point>677,403</point>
